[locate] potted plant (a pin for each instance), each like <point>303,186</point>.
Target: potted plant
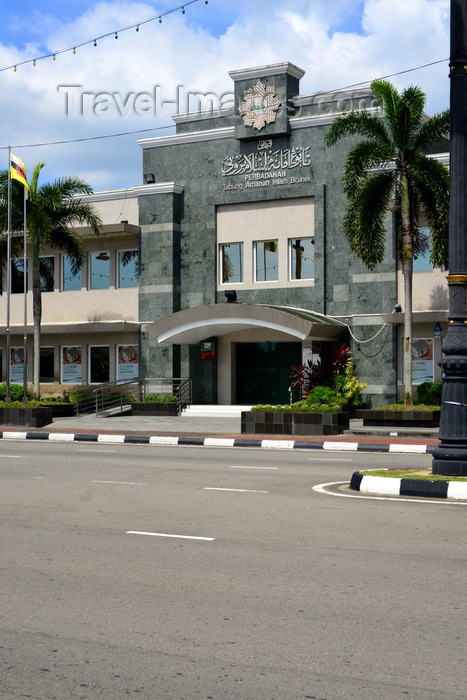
<point>62,406</point>
<point>300,418</point>
<point>425,413</point>
<point>330,379</point>
<point>156,405</point>
<point>31,414</point>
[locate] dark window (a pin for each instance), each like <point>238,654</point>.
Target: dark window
<point>71,281</point>
<point>266,261</point>
<point>17,276</point>
<point>232,262</point>
<point>423,262</point>
<point>46,367</point>
<point>99,273</point>
<point>99,364</point>
<point>302,258</point>
<point>127,268</point>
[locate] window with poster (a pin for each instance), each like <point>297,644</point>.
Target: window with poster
<point>422,360</point>
<point>72,365</point>
<point>127,362</point>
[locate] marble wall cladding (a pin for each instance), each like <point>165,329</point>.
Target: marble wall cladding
<point>179,254</point>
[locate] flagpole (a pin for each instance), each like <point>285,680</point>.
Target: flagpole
<point>25,291</point>
<point>8,285</point>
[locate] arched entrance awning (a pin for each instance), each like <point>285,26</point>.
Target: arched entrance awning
<point>191,326</point>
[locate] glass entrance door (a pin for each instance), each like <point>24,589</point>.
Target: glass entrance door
<point>263,370</point>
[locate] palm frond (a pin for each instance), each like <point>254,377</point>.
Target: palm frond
<point>403,112</point>
<point>389,100</point>
<point>414,99</point>
<point>364,221</point>
<point>70,242</point>
<point>430,181</point>
<point>409,115</point>
<point>56,209</point>
<point>431,131</point>
<point>360,123</point>
<point>71,186</point>
<point>363,157</point>
<point>35,178</point>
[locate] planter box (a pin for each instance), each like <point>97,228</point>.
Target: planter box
<point>61,410</point>
<point>400,419</point>
<point>29,417</point>
<point>152,408</point>
<point>351,409</point>
<point>277,423</point>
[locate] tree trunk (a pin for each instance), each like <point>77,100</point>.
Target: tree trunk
<point>408,332</point>
<point>407,271</point>
<point>37,316</point>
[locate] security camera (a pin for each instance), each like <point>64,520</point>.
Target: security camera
<point>398,308</point>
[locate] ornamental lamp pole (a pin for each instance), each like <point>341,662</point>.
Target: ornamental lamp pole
<point>450,456</point>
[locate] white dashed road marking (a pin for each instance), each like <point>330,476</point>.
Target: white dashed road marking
<point>254,467</point>
<point>163,534</point>
<point>215,488</point>
<point>123,483</point>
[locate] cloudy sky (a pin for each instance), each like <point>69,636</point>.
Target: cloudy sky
<point>93,92</point>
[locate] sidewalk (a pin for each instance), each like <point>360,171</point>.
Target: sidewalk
<point>216,431</point>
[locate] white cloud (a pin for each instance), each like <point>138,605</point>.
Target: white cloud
<point>196,51</point>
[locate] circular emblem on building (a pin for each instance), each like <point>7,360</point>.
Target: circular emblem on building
<point>259,106</point>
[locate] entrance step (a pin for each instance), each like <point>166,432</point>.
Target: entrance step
<point>213,411</point>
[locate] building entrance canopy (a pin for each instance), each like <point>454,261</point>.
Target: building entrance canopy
<point>191,326</point>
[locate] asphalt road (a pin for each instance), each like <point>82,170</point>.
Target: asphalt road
<point>288,594</point>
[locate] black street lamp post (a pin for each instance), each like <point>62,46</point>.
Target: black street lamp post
<point>450,457</point>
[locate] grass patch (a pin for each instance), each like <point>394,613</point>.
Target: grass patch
<point>21,404</point>
<point>159,398</point>
<point>299,407</point>
<point>402,407</point>
<point>424,474</point>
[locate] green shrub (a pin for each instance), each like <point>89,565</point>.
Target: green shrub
<point>299,407</point>
<point>324,395</point>
<point>347,384</point>
<point>402,407</point>
<point>128,399</point>
<point>430,393</point>
<point>77,396</point>
<point>159,398</point>
<point>16,392</point>
<point>20,404</point>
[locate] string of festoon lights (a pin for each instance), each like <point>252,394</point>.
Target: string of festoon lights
<point>115,34</point>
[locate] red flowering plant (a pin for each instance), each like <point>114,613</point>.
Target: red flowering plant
<point>329,379</point>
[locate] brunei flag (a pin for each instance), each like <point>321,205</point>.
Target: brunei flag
<point>18,170</point>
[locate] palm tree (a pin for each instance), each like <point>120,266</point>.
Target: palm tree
<point>54,210</point>
<point>389,170</point>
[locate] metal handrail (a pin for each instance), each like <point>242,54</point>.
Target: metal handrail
<point>106,397</point>
<point>180,387</point>
<point>118,396</point>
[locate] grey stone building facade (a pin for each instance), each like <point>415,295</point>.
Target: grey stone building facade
<point>248,201</point>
